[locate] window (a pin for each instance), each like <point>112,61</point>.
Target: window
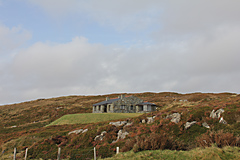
<point>122,107</point>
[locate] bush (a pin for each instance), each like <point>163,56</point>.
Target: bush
<point>220,138</point>
<point>153,142</point>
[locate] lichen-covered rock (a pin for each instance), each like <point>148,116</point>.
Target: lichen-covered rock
<point>85,130</point>
<point>76,131</point>
<point>189,124</point>
<point>128,124</point>
<point>103,133</point>
<point>122,135</point>
<point>175,117</point>
<point>101,136</point>
<point>204,124</point>
<point>216,114</point>
<point>150,120</point>
<point>98,138</point>
<point>118,123</point>
<point>222,121</point>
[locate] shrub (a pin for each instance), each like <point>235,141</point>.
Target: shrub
<point>220,138</point>
<point>153,142</point>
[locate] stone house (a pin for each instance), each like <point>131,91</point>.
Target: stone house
<point>123,104</point>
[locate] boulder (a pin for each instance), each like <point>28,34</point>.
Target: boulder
<point>216,114</point>
<point>122,135</point>
<point>118,123</point>
<point>204,124</point>
<point>103,133</point>
<point>128,124</point>
<point>98,138</point>
<point>85,130</point>
<point>101,136</point>
<point>222,121</point>
<point>76,131</point>
<point>175,117</point>
<point>189,124</point>
<point>150,120</point>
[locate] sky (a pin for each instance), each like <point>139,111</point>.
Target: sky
<point>51,48</point>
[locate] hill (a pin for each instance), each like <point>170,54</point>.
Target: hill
<point>24,125</point>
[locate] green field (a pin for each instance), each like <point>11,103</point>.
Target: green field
<point>85,118</point>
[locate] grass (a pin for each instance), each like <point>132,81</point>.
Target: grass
<point>210,153</point>
<point>85,118</point>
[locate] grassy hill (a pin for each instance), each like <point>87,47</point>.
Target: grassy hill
<point>24,125</point>
<point>85,118</point>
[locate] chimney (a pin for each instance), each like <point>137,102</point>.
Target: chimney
<point>122,96</point>
<point>107,98</point>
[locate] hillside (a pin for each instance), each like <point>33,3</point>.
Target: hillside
<point>23,125</point>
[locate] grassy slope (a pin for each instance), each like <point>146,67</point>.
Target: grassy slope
<point>209,153</point>
<point>85,118</point>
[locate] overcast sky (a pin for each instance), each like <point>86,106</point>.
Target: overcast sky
<point>50,48</point>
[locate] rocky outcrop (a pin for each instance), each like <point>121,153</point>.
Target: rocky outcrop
<point>204,124</point>
<point>175,117</point>
<point>85,130</point>
<point>216,114</point>
<point>118,123</point>
<point>78,131</point>
<point>101,136</point>
<point>189,124</point>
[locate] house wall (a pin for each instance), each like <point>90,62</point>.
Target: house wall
<point>126,105</point>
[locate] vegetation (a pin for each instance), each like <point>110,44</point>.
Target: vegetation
<point>24,125</point>
<point>85,118</point>
<point>209,153</point>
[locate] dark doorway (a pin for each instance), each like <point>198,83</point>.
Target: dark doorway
<point>105,109</point>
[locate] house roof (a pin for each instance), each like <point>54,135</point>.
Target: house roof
<point>107,102</point>
<point>147,103</point>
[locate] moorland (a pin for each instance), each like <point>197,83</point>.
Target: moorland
<point>43,125</point>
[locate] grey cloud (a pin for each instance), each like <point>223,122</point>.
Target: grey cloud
<point>195,49</point>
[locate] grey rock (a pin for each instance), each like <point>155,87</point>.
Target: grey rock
<point>76,131</point>
<point>216,114</point>
<point>122,135</point>
<point>204,124</point>
<point>85,130</point>
<point>150,120</point>
<point>103,133</point>
<point>119,123</point>
<point>189,124</point>
<point>98,138</point>
<point>175,117</point>
<point>101,136</point>
<point>219,112</point>
<point>128,124</point>
<point>222,121</point>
